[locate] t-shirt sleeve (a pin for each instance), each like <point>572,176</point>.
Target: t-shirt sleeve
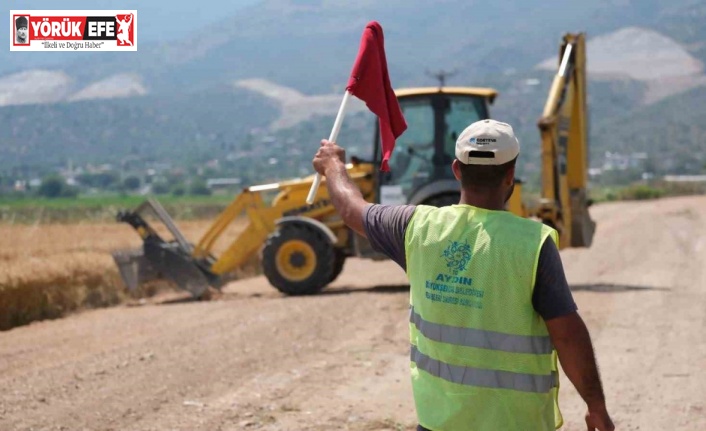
<point>551,297</point>
<point>385,226</point>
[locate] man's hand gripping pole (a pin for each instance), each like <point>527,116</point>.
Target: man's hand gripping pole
<point>334,135</point>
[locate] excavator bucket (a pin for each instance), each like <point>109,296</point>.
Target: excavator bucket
<point>582,226</point>
<point>160,259</point>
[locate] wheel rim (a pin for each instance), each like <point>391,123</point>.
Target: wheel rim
<point>296,260</point>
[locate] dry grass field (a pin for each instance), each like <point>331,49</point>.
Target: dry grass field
<point>48,270</point>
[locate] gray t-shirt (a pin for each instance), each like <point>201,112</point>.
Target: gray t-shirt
<point>385,226</point>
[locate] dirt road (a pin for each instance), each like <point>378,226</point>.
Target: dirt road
<point>254,360</point>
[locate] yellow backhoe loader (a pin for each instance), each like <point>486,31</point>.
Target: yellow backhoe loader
<point>303,247</point>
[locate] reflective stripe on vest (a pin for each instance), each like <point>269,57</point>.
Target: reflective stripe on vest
<point>538,345</point>
<point>485,378</point>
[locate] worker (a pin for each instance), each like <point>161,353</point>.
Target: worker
<point>490,307</point>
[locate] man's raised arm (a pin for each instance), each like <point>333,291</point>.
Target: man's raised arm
<point>329,162</point>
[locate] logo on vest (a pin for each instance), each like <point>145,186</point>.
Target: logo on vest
<point>457,256</point>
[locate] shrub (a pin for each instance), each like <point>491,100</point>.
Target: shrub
<point>131,183</point>
<point>641,192</point>
<point>198,187</point>
<point>55,187</point>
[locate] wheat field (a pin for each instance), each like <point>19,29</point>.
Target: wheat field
<point>49,270</point>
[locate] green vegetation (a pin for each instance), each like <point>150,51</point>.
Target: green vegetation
<point>672,133</point>
<point>641,192</point>
<point>181,129</point>
<point>131,183</point>
<point>199,188</point>
<point>55,186</point>
<point>646,191</point>
<point>630,193</point>
<point>104,208</point>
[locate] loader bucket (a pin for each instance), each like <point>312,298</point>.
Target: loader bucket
<point>159,260</point>
<point>134,268</point>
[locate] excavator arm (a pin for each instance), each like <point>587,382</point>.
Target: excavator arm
<point>564,133</point>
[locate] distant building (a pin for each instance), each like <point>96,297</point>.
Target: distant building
<point>223,184</point>
<point>621,162</point>
<point>685,178</point>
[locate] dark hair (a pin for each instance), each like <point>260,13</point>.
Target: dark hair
<point>484,176</point>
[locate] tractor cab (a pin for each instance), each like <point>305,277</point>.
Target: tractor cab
<point>420,166</point>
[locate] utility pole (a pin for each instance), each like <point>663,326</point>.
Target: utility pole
<point>441,76</point>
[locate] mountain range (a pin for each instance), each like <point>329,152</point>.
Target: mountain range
<point>279,66</point>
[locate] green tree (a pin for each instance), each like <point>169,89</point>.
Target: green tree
<point>198,187</point>
<point>131,183</point>
<point>179,190</point>
<point>160,188</point>
<point>52,187</point>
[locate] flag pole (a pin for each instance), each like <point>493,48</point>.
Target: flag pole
<point>334,134</point>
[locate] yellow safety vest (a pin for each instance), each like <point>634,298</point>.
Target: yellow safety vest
<point>481,356</point>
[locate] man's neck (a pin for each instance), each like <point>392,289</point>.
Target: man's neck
<point>485,200</point>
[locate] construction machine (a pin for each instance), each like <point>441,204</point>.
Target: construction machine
<point>303,247</point>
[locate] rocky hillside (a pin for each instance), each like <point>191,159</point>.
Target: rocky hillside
<point>281,65</point>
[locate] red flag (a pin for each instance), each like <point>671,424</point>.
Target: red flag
<point>370,83</point>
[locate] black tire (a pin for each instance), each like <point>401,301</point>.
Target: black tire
<point>298,259</point>
<point>444,200</point>
<point>339,260</point>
